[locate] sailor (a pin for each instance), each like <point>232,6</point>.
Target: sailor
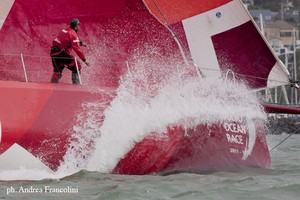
<point>60,53</point>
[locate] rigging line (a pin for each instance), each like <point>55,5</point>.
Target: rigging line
<point>284,139</point>
<point>169,27</point>
<point>165,19</point>
<point>263,88</point>
<point>259,78</point>
<point>248,76</point>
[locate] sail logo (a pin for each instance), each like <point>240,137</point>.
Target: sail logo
<point>218,14</point>
<point>236,135</point>
<point>236,132</point>
<point>5,6</point>
<point>235,128</point>
<point>238,139</point>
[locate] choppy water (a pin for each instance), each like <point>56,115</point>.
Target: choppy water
<point>281,182</point>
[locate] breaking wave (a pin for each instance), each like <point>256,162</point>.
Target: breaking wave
<point>148,100</point>
<point>147,103</point>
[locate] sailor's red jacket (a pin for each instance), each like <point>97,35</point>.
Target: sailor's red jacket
<point>68,40</point>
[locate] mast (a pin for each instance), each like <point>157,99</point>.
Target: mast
<point>295,65</point>
<point>282,10</point>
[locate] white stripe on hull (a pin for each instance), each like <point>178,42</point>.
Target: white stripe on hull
<point>5,6</point>
<point>17,157</point>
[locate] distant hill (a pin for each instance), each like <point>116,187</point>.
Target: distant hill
<point>274,5</point>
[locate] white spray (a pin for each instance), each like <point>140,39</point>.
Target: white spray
<point>142,106</point>
<point>147,101</point>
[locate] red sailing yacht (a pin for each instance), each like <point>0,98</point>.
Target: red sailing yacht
<point>144,106</point>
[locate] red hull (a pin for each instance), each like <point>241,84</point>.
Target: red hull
<point>40,118</point>
<point>275,108</point>
<point>204,148</point>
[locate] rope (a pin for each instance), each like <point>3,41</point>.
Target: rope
<point>284,139</point>
<point>201,68</point>
<point>169,27</point>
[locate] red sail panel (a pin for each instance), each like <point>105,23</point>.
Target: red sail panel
<point>176,11</point>
<point>252,62</point>
<point>115,32</point>
<point>220,40</point>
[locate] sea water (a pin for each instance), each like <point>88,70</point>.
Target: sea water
<point>280,182</point>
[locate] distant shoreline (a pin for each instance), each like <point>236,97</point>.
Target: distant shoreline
<point>278,126</point>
